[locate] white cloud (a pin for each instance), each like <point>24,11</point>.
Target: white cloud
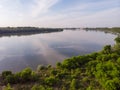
<point>40,13</point>
<point>1,6</point>
<point>42,6</point>
<point>106,18</point>
<point>78,16</point>
<point>32,8</point>
<point>14,13</point>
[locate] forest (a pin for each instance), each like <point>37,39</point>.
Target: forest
<point>95,71</point>
<point>10,31</point>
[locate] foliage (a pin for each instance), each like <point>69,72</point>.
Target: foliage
<point>6,73</point>
<point>8,87</point>
<point>51,81</point>
<point>37,87</point>
<point>73,85</point>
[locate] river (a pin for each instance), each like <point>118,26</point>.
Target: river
<point>19,52</point>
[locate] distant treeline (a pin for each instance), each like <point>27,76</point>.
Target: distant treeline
<point>115,30</point>
<point>8,31</point>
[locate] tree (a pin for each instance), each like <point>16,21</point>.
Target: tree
<point>112,84</point>
<point>51,81</point>
<point>37,87</point>
<point>54,72</point>
<point>107,49</point>
<point>10,79</point>
<point>26,74</point>
<point>40,67</point>
<point>73,85</point>
<point>6,73</point>
<point>117,40</point>
<point>8,87</point>
<point>117,45</point>
<point>58,65</point>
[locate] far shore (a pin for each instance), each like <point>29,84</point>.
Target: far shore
<point>9,31</point>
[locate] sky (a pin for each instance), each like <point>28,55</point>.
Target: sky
<point>60,13</point>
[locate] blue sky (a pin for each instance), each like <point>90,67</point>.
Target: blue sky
<point>60,13</point>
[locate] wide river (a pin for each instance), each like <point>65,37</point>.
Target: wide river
<point>18,52</point>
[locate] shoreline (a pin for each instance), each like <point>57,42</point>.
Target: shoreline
<point>9,31</point>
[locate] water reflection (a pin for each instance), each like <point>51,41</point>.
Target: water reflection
<point>17,52</point>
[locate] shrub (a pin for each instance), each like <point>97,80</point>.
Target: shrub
<point>26,74</point>
<point>37,87</point>
<point>51,81</point>
<point>8,87</point>
<point>6,73</point>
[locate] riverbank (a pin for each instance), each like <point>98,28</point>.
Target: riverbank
<point>9,31</point>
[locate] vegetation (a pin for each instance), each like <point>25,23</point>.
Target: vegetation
<point>114,30</point>
<point>8,31</point>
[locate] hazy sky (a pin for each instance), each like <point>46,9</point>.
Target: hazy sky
<point>60,13</point>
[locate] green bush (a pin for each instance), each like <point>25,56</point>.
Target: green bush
<point>51,81</point>
<point>6,73</point>
<point>38,87</point>
<point>8,87</point>
<point>26,74</point>
<point>10,79</point>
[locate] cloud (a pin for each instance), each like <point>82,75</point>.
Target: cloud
<point>15,12</point>
<point>92,14</point>
<point>42,6</point>
<point>105,18</point>
<point>1,6</point>
<point>30,8</point>
<point>41,13</point>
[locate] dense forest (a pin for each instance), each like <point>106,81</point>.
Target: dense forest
<point>8,31</point>
<point>95,71</point>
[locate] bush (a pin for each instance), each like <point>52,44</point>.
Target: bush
<point>26,74</point>
<point>8,87</point>
<point>41,67</point>
<point>10,79</point>
<point>74,85</point>
<point>37,87</point>
<point>54,72</point>
<point>51,81</point>
<point>6,73</point>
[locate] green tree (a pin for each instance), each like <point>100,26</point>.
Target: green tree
<point>51,81</point>
<point>117,39</point>
<point>37,87</point>
<point>74,84</point>
<point>117,45</point>
<point>8,87</point>
<point>41,67</point>
<point>10,79</point>
<point>107,49</point>
<point>6,73</point>
<point>26,74</point>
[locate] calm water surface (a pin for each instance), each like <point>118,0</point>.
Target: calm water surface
<point>18,52</point>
